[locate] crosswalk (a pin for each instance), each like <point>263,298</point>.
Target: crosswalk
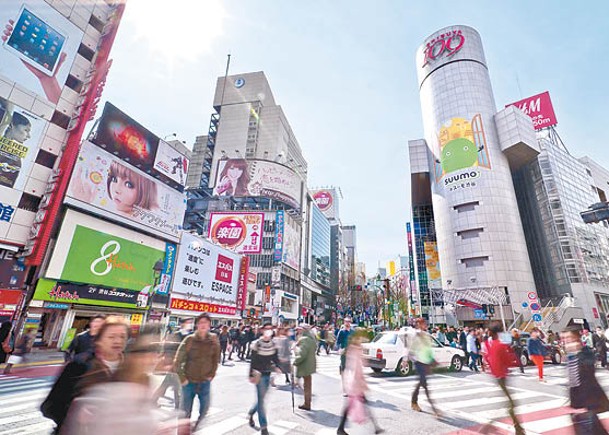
<point>21,398</point>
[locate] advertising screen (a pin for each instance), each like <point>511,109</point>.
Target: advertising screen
<point>240,177</point>
<point>97,257</point>
<point>432,264</point>
<point>539,108</point>
<point>125,138</point>
<point>20,135</point>
<point>291,244</point>
<point>38,46</point>
<point>239,232</point>
<point>170,163</point>
<point>106,185</point>
<point>207,272</point>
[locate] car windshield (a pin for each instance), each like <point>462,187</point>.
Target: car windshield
<point>386,338</point>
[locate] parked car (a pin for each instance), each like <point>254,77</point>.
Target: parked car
<point>554,355</point>
<point>389,351</point>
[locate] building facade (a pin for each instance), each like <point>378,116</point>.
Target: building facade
<point>467,156</point>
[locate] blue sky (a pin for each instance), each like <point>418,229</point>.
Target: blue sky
<point>344,73</point>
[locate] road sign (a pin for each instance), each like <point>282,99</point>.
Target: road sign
<point>535,306</point>
<point>532,295</point>
<point>525,305</point>
<point>537,317</point>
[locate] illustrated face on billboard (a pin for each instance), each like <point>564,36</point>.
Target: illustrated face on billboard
<point>240,177</point>
<point>462,145</point>
<point>108,185</point>
<point>323,199</point>
<point>20,134</point>
<point>38,46</point>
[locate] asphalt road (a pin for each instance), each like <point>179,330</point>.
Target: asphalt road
<point>470,403</point>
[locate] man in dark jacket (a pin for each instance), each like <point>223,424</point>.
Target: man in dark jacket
<point>264,359</point>
<point>196,364</point>
<point>600,345</point>
<point>82,346</point>
<point>584,390</point>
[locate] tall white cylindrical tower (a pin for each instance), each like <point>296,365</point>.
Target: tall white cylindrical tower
<point>479,232</point>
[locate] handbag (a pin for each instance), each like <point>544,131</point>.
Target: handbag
<point>255,376</point>
<point>357,409</point>
<point>14,359</point>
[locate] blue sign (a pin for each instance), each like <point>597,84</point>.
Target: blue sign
<point>535,306</point>
<point>525,304</point>
<point>479,313</point>
<point>168,266</point>
<point>56,305</point>
<point>537,317</point>
<point>279,223</point>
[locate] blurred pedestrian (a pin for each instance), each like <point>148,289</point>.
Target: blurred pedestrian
<point>342,340</point>
<point>264,358</point>
<point>22,348</point>
<point>537,351</point>
<point>305,362</point>
<point>323,340</point>
<point>517,348</point>
<point>584,390</point>
<point>600,345</point>
<point>422,354</point>
<point>587,339</point>
<point>501,357</point>
<point>441,336</point>
<point>224,338</point>
<point>355,386</point>
<point>166,363</point>
<point>82,346</point>
<point>6,347</point>
<point>284,353</point>
<point>78,376</point>
<point>472,350</point>
<point>196,364</point>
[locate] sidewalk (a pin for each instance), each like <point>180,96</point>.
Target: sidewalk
<point>41,357</point>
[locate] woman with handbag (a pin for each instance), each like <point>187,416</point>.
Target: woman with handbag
<point>355,386</point>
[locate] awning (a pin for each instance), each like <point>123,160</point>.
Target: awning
<point>11,248</point>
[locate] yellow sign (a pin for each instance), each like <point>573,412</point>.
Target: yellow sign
<point>137,319</point>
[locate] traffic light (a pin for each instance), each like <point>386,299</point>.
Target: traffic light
<point>485,309</point>
<point>491,310</point>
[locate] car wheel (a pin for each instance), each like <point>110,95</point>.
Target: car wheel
<point>556,358</point>
<point>524,361</point>
<point>375,370</point>
<point>404,367</point>
<point>456,363</point>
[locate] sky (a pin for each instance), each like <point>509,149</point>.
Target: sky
<point>344,73</point>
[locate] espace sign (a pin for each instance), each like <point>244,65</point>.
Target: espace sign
<point>224,269</point>
<point>539,108</point>
<point>444,45</point>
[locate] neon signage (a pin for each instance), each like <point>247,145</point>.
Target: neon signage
<point>447,44</point>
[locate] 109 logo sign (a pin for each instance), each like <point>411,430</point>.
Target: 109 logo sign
<point>446,44</point>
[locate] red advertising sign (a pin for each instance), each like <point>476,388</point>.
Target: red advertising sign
<point>239,232</point>
<point>446,44</point>
<point>242,289</point>
<point>224,269</point>
<point>323,199</point>
<point>203,307</point>
<point>539,108</point>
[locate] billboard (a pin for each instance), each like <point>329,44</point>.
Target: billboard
<point>171,163</point>
<point>105,185</point>
<point>239,232</point>
<point>85,294</point>
<point>125,138</point>
<point>240,177</point>
<point>38,47</point>
<point>101,258</point>
<point>327,201</point>
<point>432,264</point>
<point>207,273</point>
<point>279,227</point>
<point>539,108</point>
<point>20,135</point>
<point>291,244</point>
<point>461,150</point>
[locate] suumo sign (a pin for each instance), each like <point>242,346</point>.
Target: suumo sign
<point>446,44</point>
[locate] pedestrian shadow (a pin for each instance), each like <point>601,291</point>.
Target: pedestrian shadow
<point>320,416</point>
<point>382,405</point>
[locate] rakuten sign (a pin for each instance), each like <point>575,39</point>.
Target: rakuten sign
<point>539,108</point>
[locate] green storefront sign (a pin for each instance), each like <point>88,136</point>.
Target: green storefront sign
<point>107,260</point>
<point>86,294</point>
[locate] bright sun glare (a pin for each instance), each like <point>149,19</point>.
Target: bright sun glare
<point>179,30</point>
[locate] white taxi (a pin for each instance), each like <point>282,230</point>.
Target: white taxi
<point>389,351</point>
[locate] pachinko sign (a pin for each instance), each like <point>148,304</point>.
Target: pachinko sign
<point>205,275</point>
<point>444,45</point>
<point>239,232</point>
<point>539,108</point>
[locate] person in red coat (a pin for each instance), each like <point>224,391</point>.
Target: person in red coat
<point>500,358</point>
